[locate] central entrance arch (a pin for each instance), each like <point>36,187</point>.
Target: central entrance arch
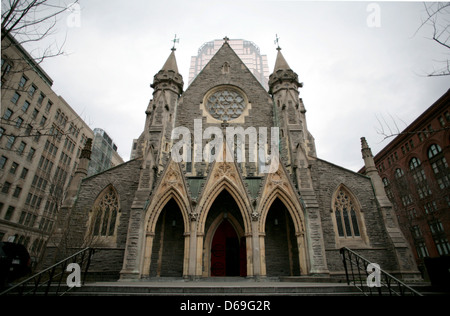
<point>225,246</point>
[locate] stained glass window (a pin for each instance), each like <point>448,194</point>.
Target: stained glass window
<point>225,104</point>
<point>346,215</point>
<point>106,214</point>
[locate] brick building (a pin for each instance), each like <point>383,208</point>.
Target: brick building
<point>416,176</point>
<point>157,216</point>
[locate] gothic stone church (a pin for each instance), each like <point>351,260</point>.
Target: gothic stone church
<point>155,217</point>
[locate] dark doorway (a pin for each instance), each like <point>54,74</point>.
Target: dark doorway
<point>226,252</point>
<point>168,245</point>
<point>281,250</point>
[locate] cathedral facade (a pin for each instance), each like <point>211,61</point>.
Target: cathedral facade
<point>201,216</point>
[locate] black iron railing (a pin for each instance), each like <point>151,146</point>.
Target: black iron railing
<point>370,279</point>
<point>53,280</point>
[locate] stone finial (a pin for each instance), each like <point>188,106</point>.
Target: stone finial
<point>364,143</point>
<point>86,151</point>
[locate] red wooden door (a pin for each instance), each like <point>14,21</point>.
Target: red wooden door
<point>227,252</point>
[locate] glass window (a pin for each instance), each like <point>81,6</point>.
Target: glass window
<point>15,98</point>
<point>8,113</point>
<point>346,215</point>
<point>439,165</point>
<point>225,104</point>
<point>106,211</point>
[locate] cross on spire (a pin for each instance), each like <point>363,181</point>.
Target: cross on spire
<point>276,42</point>
<point>175,40</point>
<point>226,39</point>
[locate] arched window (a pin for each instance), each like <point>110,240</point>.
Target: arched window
<point>346,215</point>
<point>106,210</point>
<point>399,173</point>
<point>439,165</point>
<point>414,163</point>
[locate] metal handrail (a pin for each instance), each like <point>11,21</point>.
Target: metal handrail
<point>389,284</point>
<point>54,272</point>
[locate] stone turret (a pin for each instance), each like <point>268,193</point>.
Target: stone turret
<point>401,249</point>
<point>80,173</point>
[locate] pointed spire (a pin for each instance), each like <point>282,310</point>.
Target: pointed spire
<point>280,63</point>
<point>282,73</point>
<point>171,62</point>
<point>169,73</point>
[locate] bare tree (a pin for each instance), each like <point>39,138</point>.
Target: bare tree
<point>438,18</point>
<point>390,128</point>
<point>32,21</point>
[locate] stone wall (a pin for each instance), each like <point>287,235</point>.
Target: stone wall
<point>109,257</point>
<point>377,246</point>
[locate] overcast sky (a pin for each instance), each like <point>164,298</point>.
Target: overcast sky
<point>354,71</point>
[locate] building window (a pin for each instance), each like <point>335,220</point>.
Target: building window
<point>105,212</point>
<point>419,177</point>
<point>399,173</point>
<point>8,113</point>
<point>9,212</point>
<point>31,154</point>
<point>10,143</point>
<point>25,106</point>
<point>32,90</point>
<point>422,250</point>
<point>48,106</point>
<point>15,98</point>
<point>6,187</point>
<point>439,166</point>
<point>3,160</point>
<point>442,245</point>
<point>346,215</point>
<point>22,82</point>
<point>19,122</point>
<point>17,191</point>
<point>24,173</point>
<point>41,98</point>
<point>14,167</point>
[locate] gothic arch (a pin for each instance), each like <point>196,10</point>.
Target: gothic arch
<point>153,211</point>
<point>172,186</point>
<point>204,207</point>
<point>104,218</point>
<point>296,213</point>
<point>210,196</point>
<point>292,206</point>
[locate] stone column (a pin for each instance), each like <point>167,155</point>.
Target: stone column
<point>256,250</point>
<point>192,261</point>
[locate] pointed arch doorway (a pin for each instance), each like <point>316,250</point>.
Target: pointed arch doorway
<point>225,242</point>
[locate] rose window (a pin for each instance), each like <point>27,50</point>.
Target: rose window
<point>225,104</point>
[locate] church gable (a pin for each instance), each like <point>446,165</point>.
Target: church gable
<point>171,185</point>
<point>226,70</point>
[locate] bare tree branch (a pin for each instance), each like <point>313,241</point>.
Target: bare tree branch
<point>438,18</point>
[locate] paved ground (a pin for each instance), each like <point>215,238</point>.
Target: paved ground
<point>213,284</point>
